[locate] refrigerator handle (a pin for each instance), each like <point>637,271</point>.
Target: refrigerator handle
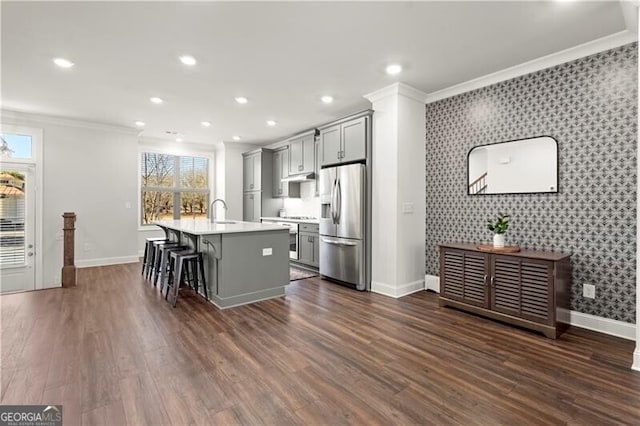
<point>338,200</point>
<point>333,202</point>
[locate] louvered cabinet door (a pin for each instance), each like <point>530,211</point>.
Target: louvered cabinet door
<point>465,277</point>
<point>522,287</point>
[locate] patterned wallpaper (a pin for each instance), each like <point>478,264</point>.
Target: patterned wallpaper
<point>590,107</point>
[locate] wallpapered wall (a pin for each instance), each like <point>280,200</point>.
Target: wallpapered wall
<point>590,107</point>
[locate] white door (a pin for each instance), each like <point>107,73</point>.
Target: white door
<point>17,227</point>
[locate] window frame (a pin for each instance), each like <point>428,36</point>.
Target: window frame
<point>176,190</point>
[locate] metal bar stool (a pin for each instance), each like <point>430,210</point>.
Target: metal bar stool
<point>180,261</point>
<point>147,258</point>
<point>157,256</point>
<point>163,263</point>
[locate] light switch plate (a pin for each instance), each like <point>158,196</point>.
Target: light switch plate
<point>267,251</point>
<point>407,208</point>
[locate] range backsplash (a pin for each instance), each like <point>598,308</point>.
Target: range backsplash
<point>590,107</point>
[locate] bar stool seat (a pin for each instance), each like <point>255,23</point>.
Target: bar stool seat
<point>148,252</point>
<point>163,261</point>
<point>157,256</point>
<point>180,263</point>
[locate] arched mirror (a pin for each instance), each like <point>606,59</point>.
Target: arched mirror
<point>514,167</point>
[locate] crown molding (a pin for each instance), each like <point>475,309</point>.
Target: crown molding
<point>595,46</point>
<point>396,89</point>
<point>8,114</point>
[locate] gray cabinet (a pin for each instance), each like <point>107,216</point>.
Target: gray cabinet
<point>280,171</point>
<point>301,154</point>
<point>309,245</point>
<point>258,185</point>
<point>344,142</point>
<point>252,171</point>
<point>252,206</point>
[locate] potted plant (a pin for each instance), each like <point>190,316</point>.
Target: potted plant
<point>499,227</point>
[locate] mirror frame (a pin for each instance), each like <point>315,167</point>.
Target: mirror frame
<point>557,190</point>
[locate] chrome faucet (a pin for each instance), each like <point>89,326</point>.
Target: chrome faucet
<point>212,211</point>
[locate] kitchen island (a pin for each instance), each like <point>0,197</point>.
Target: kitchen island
<point>245,262</point>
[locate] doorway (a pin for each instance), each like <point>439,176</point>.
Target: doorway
<point>19,230</point>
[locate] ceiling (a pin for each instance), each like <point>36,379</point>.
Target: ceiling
<point>282,56</point>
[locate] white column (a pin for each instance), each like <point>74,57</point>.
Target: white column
<point>636,353</point>
<point>398,192</point>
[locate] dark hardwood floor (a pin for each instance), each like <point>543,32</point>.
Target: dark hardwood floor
<point>113,352</point>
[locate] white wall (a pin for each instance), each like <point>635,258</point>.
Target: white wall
<point>89,169</point>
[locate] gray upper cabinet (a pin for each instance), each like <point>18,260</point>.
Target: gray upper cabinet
<point>252,166</point>
<point>344,142</point>
<point>258,185</point>
<point>330,146</point>
<point>280,171</point>
<point>354,140</point>
<point>301,154</point>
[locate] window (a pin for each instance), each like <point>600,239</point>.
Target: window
<point>173,187</point>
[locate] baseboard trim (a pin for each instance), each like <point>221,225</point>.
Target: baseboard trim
<point>88,263</point>
<point>636,358</point>
<point>616,328</point>
<point>397,291</point>
<point>432,282</point>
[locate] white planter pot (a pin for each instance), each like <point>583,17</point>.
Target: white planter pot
<point>498,240</point>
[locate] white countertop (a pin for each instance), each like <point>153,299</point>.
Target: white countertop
<point>288,219</point>
<point>204,227</point>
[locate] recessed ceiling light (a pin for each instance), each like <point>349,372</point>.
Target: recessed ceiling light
<point>188,60</point>
<point>327,99</point>
<point>394,69</point>
<point>236,138</point>
<point>156,100</point>
<point>140,123</point>
<point>205,123</point>
<point>63,63</point>
<point>242,100</point>
<point>271,123</point>
<point>179,139</point>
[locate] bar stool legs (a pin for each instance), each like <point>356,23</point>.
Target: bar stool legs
<point>181,260</point>
<point>147,258</point>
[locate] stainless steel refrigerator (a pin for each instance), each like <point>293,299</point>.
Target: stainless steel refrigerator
<point>343,224</point>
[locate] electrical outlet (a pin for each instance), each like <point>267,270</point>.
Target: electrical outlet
<point>267,251</point>
<point>87,247</point>
<point>589,291</point>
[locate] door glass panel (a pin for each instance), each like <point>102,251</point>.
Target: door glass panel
<point>15,146</point>
<point>12,218</point>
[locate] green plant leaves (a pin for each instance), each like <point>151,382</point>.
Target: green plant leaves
<point>501,225</point>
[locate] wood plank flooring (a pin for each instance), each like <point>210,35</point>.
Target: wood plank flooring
<point>113,352</point>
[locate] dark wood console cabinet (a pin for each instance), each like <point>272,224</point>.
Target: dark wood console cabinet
<point>524,288</point>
